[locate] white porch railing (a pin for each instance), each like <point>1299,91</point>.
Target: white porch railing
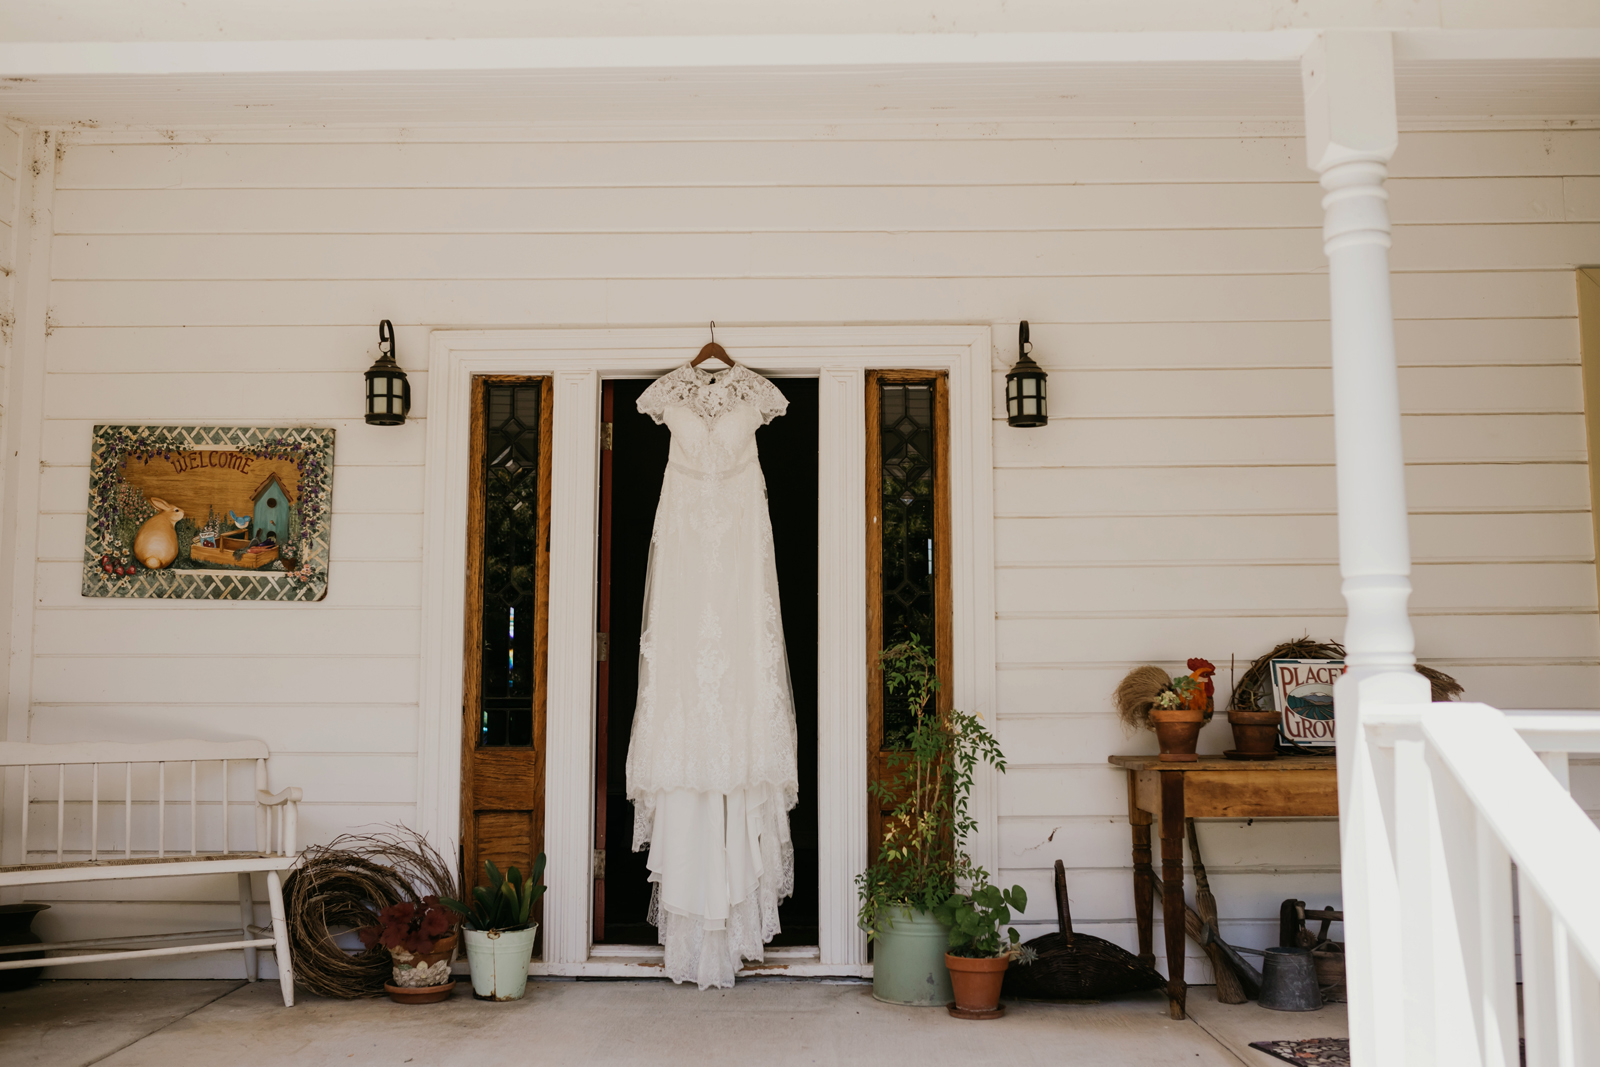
<point>1463,797</point>
<point>1435,802</point>
<point>1556,734</point>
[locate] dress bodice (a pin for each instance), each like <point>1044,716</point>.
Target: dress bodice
<point>713,416</point>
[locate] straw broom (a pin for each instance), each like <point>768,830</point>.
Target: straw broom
<point>1202,934</point>
<point>1229,991</point>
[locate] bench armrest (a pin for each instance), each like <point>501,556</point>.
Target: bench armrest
<point>283,809</point>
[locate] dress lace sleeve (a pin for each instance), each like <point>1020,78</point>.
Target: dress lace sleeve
<point>763,396</point>
<point>669,390</point>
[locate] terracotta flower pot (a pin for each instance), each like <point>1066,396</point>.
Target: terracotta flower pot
<point>443,950</point>
<point>976,983</point>
<point>1255,733</point>
<point>427,994</point>
<point>1177,731</point>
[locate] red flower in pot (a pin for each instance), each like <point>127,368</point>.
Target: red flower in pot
<point>421,939</point>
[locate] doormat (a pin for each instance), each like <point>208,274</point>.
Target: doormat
<point>1317,1052</point>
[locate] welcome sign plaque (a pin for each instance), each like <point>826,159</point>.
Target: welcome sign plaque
<point>209,512</point>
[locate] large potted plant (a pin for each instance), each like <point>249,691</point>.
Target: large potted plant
<point>500,931</point>
<point>421,939</point>
<point>979,954</point>
<point>920,861</point>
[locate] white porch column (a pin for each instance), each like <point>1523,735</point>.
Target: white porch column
<point>1351,131</point>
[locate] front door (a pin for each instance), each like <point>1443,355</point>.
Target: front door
<point>632,465</point>
<point>508,595</point>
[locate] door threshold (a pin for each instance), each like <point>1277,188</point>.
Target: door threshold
<point>645,961</point>
<point>653,953</point>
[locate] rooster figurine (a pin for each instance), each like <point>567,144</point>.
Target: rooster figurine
<point>1198,697</point>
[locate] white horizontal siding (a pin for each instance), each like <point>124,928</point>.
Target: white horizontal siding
<point>1180,503</point>
<point>797,207</point>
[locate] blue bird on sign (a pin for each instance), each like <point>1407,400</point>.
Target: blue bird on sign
<point>240,521</point>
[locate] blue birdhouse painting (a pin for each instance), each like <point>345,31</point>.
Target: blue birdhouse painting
<point>269,521</point>
<point>213,512</point>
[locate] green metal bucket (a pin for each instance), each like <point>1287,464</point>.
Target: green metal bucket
<point>499,962</point>
<point>908,960</point>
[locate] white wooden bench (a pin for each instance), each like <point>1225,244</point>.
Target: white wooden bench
<point>104,811</point>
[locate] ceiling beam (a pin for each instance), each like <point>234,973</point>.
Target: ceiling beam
<point>40,59</point>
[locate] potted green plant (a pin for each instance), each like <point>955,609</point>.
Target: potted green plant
<point>500,932</point>
<point>920,861</point>
<point>421,939</point>
<point>979,955</point>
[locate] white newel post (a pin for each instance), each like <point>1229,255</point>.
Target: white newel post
<point>1351,132</point>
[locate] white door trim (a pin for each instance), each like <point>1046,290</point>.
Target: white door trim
<point>578,360</point>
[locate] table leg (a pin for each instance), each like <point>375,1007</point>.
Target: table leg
<point>1172,826</point>
<point>1143,883</point>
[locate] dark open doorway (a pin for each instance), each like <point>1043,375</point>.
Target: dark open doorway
<point>630,488</point>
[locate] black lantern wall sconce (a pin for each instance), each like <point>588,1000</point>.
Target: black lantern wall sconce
<point>1026,401</point>
<point>388,392</point>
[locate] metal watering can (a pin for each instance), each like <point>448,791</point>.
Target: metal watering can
<point>1287,980</point>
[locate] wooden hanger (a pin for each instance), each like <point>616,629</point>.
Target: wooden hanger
<point>712,350</point>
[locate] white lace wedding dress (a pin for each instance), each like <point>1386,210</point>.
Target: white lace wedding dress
<point>711,765</point>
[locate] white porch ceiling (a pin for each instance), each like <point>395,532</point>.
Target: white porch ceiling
<point>1426,88</point>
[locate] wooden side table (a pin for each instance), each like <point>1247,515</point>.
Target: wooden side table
<point>1209,788</point>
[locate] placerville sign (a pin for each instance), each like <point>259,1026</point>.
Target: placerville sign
<point>1303,690</point>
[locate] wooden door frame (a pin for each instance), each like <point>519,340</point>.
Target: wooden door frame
<point>577,360</point>
<point>472,628</point>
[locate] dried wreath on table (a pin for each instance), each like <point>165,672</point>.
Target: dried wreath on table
<point>1254,689</point>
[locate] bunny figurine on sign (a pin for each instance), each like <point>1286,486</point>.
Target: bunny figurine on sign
<point>156,544</point>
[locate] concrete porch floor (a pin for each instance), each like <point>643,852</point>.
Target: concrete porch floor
<point>761,1021</point>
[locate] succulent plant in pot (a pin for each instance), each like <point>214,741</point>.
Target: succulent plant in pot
<point>979,954</point>
<point>500,930</point>
<point>421,939</point>
<point>1175,708</point>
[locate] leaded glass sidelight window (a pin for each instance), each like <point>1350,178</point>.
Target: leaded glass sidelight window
<point>908,477</point>
<point>512,414</point>
<point>909,531</point>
